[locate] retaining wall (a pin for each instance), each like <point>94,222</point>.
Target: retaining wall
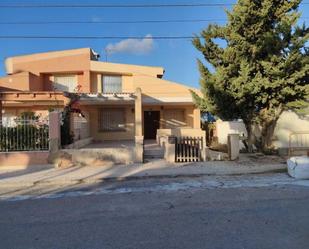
<point>23,158</point>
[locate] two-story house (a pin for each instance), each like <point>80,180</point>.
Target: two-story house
<point>118,101</point>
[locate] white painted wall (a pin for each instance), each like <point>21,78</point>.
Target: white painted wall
<point>229,127</point>
<point>287,123</point>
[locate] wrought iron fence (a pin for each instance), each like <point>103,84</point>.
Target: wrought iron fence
<point>24,135</point>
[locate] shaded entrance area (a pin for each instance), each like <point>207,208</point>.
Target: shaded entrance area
<point>151,124</point>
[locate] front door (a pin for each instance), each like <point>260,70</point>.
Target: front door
<point>151,124</point>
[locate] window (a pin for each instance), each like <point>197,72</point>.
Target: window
<point>112,84</point>
<point>112,119</point>
<point>65,83</point>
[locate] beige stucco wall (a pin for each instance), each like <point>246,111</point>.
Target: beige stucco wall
<point>93,112</point>
<point>161,88</point>
<point>129,134</point>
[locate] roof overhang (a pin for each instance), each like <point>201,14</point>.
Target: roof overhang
<point>147,100</point>
<point>37,98</point>
<point>106,98</point>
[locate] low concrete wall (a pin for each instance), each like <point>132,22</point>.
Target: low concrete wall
<point>288,122</point>
<point>100,156</point>
<point>224,128</point>
<point>23,158</point>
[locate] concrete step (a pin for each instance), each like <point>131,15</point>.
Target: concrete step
<point>154,152</point>
<point>154,156</point>
<point>158,153</point>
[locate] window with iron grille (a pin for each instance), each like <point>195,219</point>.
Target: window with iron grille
<point>112,119</point>
<point>111,84</point>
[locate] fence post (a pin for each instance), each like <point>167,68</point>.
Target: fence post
<point>170,149</point>
<point>54,132</point>
<point>233,146</point>
<point>204,148</point>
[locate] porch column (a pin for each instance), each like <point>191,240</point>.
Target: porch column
<point>139,138</point>
<point>138,112</point>
<point>86,82</point>
<point>99,82</point>
<point>196,118</point>
<point>0,112</point>
<point>54,132</point>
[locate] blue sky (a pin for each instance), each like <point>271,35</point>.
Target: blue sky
<point>178,57</point>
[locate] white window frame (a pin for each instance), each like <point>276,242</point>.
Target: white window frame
<point>63,87</point>
<point>103,87</point>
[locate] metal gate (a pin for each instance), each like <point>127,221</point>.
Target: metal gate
<point>188,149</point>
<point>24,135</point>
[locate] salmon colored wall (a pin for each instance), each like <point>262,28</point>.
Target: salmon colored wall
<point>125,69</point>
<point>48,82</point>
<point>18,81</point>
<point>36,83</point>
<point>89,73</point>
<point>50,63</point>
<point>24,158</point>
<point>94,82</point>
<point>17,111</point>
<point>23,81</point>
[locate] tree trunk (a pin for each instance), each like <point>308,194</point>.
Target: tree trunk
<point>251,137</point>
<point>268,127</point>
<point>268,130</point>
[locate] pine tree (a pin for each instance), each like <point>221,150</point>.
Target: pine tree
<point>261,69</point>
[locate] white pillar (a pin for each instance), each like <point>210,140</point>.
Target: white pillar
<point>169,153</point>
<point>233,146</point>
<point>139,138</point>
